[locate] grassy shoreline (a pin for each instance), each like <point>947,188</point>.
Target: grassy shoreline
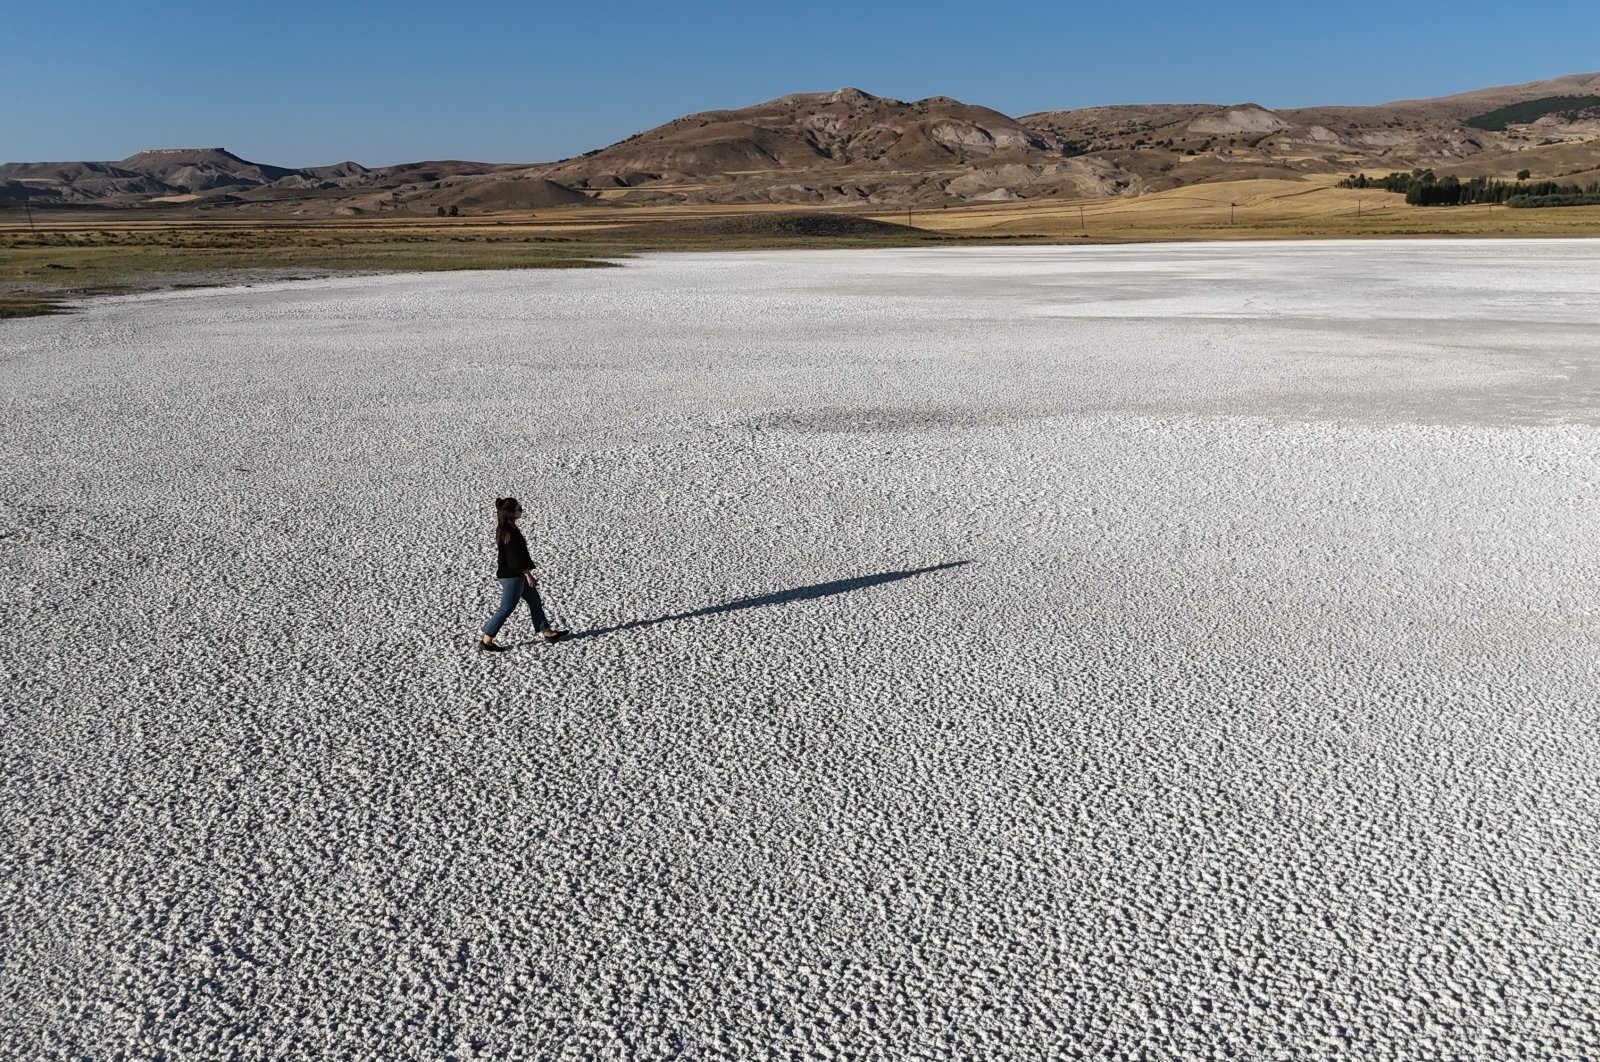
<point>38,269</point>
<point>79,255</point>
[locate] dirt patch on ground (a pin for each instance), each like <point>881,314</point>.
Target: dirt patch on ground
<point>806,224</point>
<point>30,306</point>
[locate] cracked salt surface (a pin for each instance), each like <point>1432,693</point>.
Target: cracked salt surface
<point>1145,652</point>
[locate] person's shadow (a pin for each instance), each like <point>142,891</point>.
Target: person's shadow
<point>780,597</point>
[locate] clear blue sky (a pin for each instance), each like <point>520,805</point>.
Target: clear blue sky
<point>296,83</point>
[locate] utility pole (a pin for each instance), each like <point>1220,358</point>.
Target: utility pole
<point>1230,212</point>
<point>1082,224</point>
<point>29,208</point>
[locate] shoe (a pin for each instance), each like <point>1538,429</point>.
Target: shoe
<point>491,647</point>
<point>552,635</point>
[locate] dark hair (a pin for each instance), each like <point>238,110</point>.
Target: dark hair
<point>503,508</point>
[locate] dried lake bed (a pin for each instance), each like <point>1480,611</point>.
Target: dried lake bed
<point>1122,652</point>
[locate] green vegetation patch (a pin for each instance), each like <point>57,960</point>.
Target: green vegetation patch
<point>1426,188</point>
<point>1585,199</point>
<point>1568,107</point>
<point>92,260</point>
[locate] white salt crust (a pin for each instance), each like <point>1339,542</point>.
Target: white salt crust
<point>1156,652</point>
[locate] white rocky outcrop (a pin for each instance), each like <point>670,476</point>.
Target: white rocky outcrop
<point>1247,119</point>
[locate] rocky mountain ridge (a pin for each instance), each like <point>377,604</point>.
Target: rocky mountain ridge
<point>849,147</point>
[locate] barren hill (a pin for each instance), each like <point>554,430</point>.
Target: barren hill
<point>837,148</point>
<point>202,169</point>
<point>809,129</point>
<point>487,194</point>
<point>1168,145</point>
<point>851,148</point>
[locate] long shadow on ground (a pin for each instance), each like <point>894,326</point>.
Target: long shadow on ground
<point>780,597</point>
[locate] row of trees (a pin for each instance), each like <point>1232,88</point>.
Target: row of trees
<point>1588,198</point>
<point>1425,188</point>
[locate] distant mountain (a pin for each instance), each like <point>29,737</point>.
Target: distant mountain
<point>852,148</point>
<point>843,128</point>
<point>165,172</point>
<point>201,169</point>
<point>1164,146</point>
<point>215,178</point>
<point>836,148</point>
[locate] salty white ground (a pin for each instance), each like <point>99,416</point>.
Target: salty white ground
<point>1159,652</point>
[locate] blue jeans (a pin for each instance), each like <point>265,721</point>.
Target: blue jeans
<point>512,591</point>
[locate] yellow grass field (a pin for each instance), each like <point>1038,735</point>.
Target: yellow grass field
<point>1253,209</point>
<point>1249,209</point>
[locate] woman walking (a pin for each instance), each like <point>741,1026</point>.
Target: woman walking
<point>515,575</point>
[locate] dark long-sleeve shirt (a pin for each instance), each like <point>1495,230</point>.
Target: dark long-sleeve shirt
<point>514,558</point>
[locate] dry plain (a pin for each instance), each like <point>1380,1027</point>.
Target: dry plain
<point>1027,652</point>
<point>57,255</point>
